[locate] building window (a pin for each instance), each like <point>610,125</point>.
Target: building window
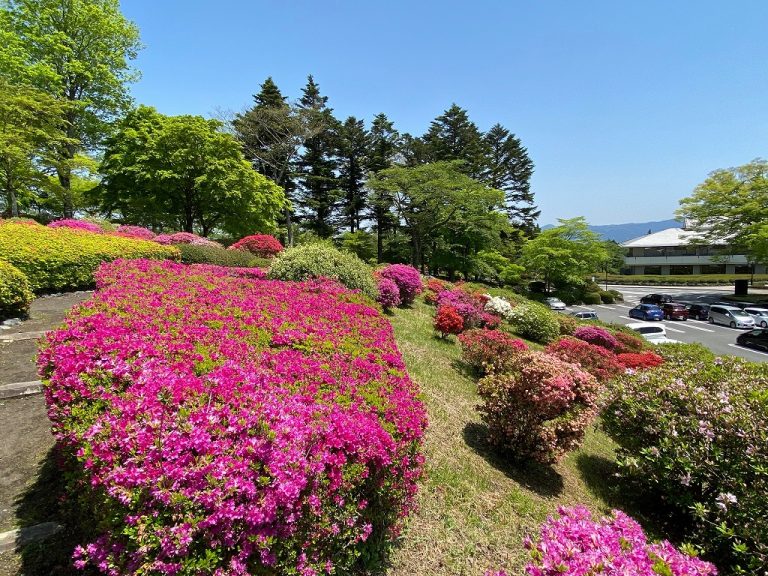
<point>681,269</point>
<point>743,270</point>
<point>651,270</point>
<point>713,269</point>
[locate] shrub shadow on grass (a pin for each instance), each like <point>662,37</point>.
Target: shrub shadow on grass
<point>41,503</point>
<point>466,370</point>
<point>540,478</point>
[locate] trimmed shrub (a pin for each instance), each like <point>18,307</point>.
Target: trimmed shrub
<point>197,254</point>
<point>59,259</point>
<point>629,343</point>
<point>261,245</point>
<point>448,320</point>
<point>591,298</point>
<point>389,293</point>
<point>606,297</point>
<point>220,425</point>
<point>596,360</point>
<point>489,350</point>
<point>597,336</point>
<point>572,544</point>
<point>469,306</point>
<point>567,324</point>
<point>534,322</point>
<point>684,354</point>
<point>77,225</point>
<point>15,293</point>
<point>540,408</point>
<point>407,278</point>
<point>135,232</point>
<point>324,261</point>
<point>693,435</point>
<point>640,361</point>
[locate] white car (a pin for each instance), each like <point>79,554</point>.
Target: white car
<point>555,303</point>
<point>760,315</point>
<point>585,315</point>
<point>654,333</point>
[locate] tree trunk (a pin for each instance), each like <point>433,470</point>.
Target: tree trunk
<point>189,212</point>
<point>65,179</point>
<point>379,244</point>
<point>288,228</point>
<point>14,203</point>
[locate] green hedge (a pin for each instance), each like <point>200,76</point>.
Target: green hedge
<point>15,294</point>
<point>683,279</point>
<point>61,259</point>
<point>192,254</point>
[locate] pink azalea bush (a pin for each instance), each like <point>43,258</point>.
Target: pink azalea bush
<point>389,293</point>
<point>407,279</point>
<point>77,225</point>
<point>225,425</point>
<point>573,544</point>
<point>597,336</point>
<point>539,407</point>
<point>470,307</point>
<point>135,232</point>
<point>601,363</point>
<point>488,350</point>
<point>185,238</point>
<point>261,245</point>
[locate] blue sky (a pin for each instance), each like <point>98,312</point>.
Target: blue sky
<point>624,106</point>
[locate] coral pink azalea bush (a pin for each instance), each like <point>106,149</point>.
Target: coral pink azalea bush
<point>261,245</point>
<point>432,288</point>
<point>135,232</point>
<point>629,343</point>
<point>488,350</point>
<point>596,360</point>
<point>407,279</point>
<point>540,408</point>
<point>389,293</point>
<point>185,238</point>
<point>225,425</point>
<point>572,544</point>
<point>597,336</point>
<point>77,225</point>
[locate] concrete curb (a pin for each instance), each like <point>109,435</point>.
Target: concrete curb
<point>19,537</point>
<point>17,389</point>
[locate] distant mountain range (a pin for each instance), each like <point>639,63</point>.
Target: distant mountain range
<point>624,232</point>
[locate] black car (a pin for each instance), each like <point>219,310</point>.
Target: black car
<point>698,311</point>
<point>757,339</point>
<point>657,299</point>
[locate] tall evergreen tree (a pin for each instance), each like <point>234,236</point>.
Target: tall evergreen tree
<point>270,96</point>
<point>384,146</point>
<point>317,166</point>
<point>453,136</point>
<point>354,142</point>
<point>508,167</point>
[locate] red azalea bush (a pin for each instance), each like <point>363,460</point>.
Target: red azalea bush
<point>489,350</point>
<point>407,278</point>
<point>596,360</point>
<point>448,321</point>
<point>135,232</point>
<point>629,343</point>
<point>573,544</point>
<point>77,225</point>
<point>261,245</point>
<point>640,361</point>
<point>540,408</point>
<point>185,238</point>
<point>490,321</point>
<point>389,293</point>
<point>224,425</point>
<point>470,307</point>
<point>597,336</point>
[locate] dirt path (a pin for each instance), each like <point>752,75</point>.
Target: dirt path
<point>25,434</point>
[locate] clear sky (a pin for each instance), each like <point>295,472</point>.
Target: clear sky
<point>624,106</point>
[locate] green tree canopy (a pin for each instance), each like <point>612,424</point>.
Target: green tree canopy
<point>183,172</point>
<point>564,254</point>
<point>731,208</point>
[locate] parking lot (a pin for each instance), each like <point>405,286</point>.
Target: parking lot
<point>719,339</point>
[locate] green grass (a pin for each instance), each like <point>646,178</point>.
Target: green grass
<point>475,508</point>
<point>681,279</point>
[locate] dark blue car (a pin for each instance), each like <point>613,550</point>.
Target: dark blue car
<point>646,312</point>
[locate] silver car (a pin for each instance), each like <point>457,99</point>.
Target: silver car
<point>730,316</point>
<point>555,304</point>
<point>760,315</point>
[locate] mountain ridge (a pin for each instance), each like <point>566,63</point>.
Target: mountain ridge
<point>623,232</point>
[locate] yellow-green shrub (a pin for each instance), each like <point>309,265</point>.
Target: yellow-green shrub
<point>15,295</point>
<point>59,259</point>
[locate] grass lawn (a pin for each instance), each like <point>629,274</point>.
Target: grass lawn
<point>476,508</point>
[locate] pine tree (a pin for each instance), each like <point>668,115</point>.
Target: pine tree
<point>270,96</point>
<point>354,142</point>
<point>384,145</point>
<point>508,168</point>
<point>318,195</point>
<point>453,136</point>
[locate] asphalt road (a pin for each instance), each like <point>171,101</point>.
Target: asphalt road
<point>719,339</point>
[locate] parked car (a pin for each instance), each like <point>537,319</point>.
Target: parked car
<point>760,315</point>
<point>698,311</point>
<point>730,316</point>
<point>555,303</point>
<point>646,312</point>
<point>757,339</point>
<point>654,333</point>
<point>657,299</point>
<point>674,311</point>
<point>585,315</point>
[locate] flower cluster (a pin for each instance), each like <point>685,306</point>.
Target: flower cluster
<point>433,287</point>
<point>261,245</point>
<point>389,293</point>
<point>135,232</point>
<point>597,336</point>
<point>448,321</point>
<point>185,238</point>
<point>640,360</point>
<point>573,544</point>
<point>77,225</point>
<point>467,305</point>
<point>407,279</point>
<point>596,360</point>
<point>226,425</point>
<point>539,408</point>
<point>629,343</point>
<point>498,306</point>
<point>489,350</point>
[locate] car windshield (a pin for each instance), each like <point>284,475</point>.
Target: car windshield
<point>740,314</point>
<point>758,312</point>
